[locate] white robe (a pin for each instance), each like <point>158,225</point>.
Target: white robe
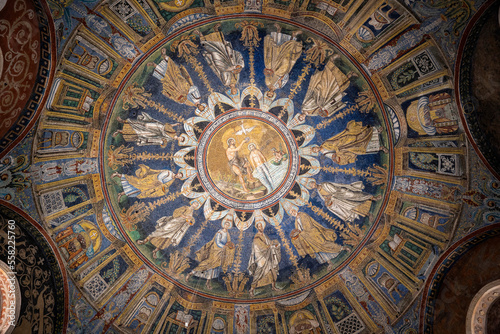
<point>150,131</point>
<point>171,228</point>
<point>346,199</point>
<point>223,59</point>
<point>264,260</point>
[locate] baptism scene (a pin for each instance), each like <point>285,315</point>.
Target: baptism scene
<point>248,166</point>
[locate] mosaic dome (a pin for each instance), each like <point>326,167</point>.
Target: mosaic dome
<point>247,166</point>
<point>237,124</point>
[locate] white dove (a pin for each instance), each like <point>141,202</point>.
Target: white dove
<point>244,130</point>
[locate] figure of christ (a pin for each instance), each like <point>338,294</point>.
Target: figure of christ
<point>311,238</point>
<point>346,201</point>
<point>238,165</point>
<point>355,140</point>
<point>170,230</point>
<point>326,90</point>
<point>147,131</point>
<point>260,170</point>
<point>264,260</point>
<point>214,256</point>
<point>222,58</point>
<point>281,51</point>
<point>177,84</point>
<point>147,182</point>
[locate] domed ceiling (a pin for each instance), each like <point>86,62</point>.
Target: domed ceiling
<point>262,130</point>
<point>249,167</point>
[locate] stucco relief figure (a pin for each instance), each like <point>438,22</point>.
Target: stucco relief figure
<point>238,165</point>
<point>346,201</point>
<point>326,90</point>
<point>222,58</point>
<point>355,140</point>
<point>176,82</point>
<point>264,260</point>
<point>310,238</point>
<point>215,256</point>
<point>281,51</point>
<point>146,130</point>
<point>170,230</point>
<point>147,182</point>
<point>260,170</point>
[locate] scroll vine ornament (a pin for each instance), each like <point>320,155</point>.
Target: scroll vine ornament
<point>20,54</point>
<point>35,283</point>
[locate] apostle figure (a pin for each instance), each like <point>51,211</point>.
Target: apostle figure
<point>311,238</point>
<point>177,84</point>
<point>260,170</point>
<point>326,90</point>
<point>346,201</point>
<point>222,58</point>
<point>264,260</point>
<point>215,255</point>
<point>355,140</point>
<point>281,51</point>
<point>147,131</point>
<point>147,182</point>
<point>170,230</point>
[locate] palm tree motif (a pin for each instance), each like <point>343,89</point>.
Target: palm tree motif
<point>318,52</point>
<point>134,96</point>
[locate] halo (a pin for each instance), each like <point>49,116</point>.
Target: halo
<point>224,221</point>
<point>230,138</point>
<point>252,144</point>
<point>262,222</point>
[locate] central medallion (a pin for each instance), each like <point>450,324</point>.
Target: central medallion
<point>247,159</point>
